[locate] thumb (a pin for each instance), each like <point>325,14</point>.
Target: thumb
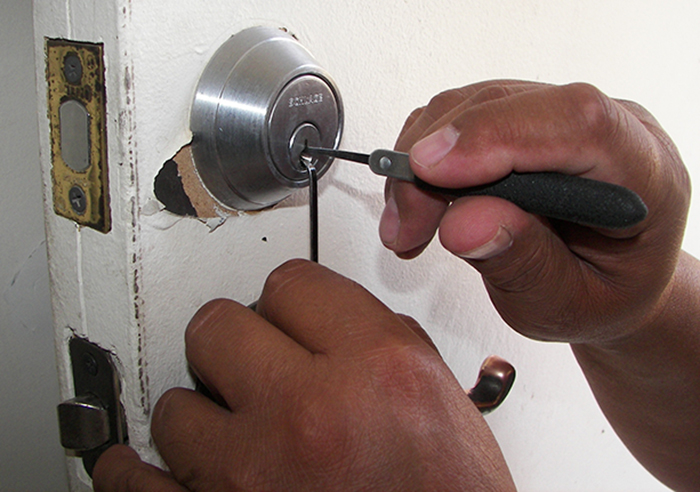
<point>120,469</point>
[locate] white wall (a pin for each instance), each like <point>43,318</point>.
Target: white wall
<point>387,58</point>
<point>31,458</point>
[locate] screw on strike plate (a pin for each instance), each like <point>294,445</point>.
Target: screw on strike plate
<point>90,364</point>
<point>73,68</point>
<point>77,199</point>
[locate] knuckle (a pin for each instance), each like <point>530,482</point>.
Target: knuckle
<point>328,424</point>
<point>328,432</point>
<point>207,324</point>
<point>416,113</point>
<point>407,375</point>
<point>526,274</point>
<point>594,112</point>
<point>443,98</point>
<point>289,272</point>
<point>443,102</point>
<point>489,93</point>
<point>298,278</point>
<point>322,431</point>
<point>412,118</point>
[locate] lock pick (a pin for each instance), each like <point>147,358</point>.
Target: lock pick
<point>554,195</point>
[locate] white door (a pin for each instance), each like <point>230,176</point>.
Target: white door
<point>133,289</point>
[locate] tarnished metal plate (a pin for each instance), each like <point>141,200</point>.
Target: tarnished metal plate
<point>77,118</point>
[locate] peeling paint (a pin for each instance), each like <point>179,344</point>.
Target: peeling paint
<point>180,192</point>
<point>201,200</point>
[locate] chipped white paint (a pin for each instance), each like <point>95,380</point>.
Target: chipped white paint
<point>134,289</point>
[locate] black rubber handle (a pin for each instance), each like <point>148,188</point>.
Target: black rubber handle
<point>560,196</point>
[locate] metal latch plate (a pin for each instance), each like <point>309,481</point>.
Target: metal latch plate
<point>93,420</point>
<point>77,120</point>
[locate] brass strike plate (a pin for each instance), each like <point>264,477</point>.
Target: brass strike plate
<point>77,119</point>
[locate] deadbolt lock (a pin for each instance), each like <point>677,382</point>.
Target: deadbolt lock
<point>260,91</point>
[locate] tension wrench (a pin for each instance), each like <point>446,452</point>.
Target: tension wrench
<point>313,207</point>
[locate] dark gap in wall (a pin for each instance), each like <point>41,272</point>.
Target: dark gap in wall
<point>170,191</point>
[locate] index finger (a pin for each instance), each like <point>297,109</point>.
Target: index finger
<point>328,313</point>
<point>573,129</point>
<point>235,352</point>
<point>447,105</point>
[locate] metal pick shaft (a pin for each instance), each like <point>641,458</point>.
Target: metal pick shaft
<point>313,208</point>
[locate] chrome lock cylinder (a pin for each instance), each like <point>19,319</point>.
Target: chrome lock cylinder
<point>261,98</point>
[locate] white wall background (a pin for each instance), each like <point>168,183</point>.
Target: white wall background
<point>387,58</point>
<point>31,458</point>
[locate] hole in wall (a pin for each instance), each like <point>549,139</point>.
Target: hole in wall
<point>170,191</point>
<point>179,189</point>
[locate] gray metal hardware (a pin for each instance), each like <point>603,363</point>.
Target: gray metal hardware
<point>75,135</point>
<point>261,91</point>
<point>77,199</point>
<point>84,423</point>
<point>94,419</point>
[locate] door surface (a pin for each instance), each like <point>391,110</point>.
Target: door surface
<point>133,289</point>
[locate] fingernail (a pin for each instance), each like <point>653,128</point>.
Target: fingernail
<point>433,148</point>
<point>497,245</point>
<point>390,223</point>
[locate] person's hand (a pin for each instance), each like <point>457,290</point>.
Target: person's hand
<point>324,388</point>
<point>548,279</point>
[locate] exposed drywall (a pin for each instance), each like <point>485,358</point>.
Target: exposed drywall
<point>387,58</point>
<point>31,458</point>
<point>179,190</point>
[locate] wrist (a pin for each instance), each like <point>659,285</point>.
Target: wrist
<point>644,381</point>
<point>656,331</point>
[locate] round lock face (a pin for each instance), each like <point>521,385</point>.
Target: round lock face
<point>306,111</point>
<point>260,99</point>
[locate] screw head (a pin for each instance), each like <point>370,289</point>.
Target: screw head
<point>77,199</point>
<point>73,68</point>
<point>90,364</point>
<point>385,163</point>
